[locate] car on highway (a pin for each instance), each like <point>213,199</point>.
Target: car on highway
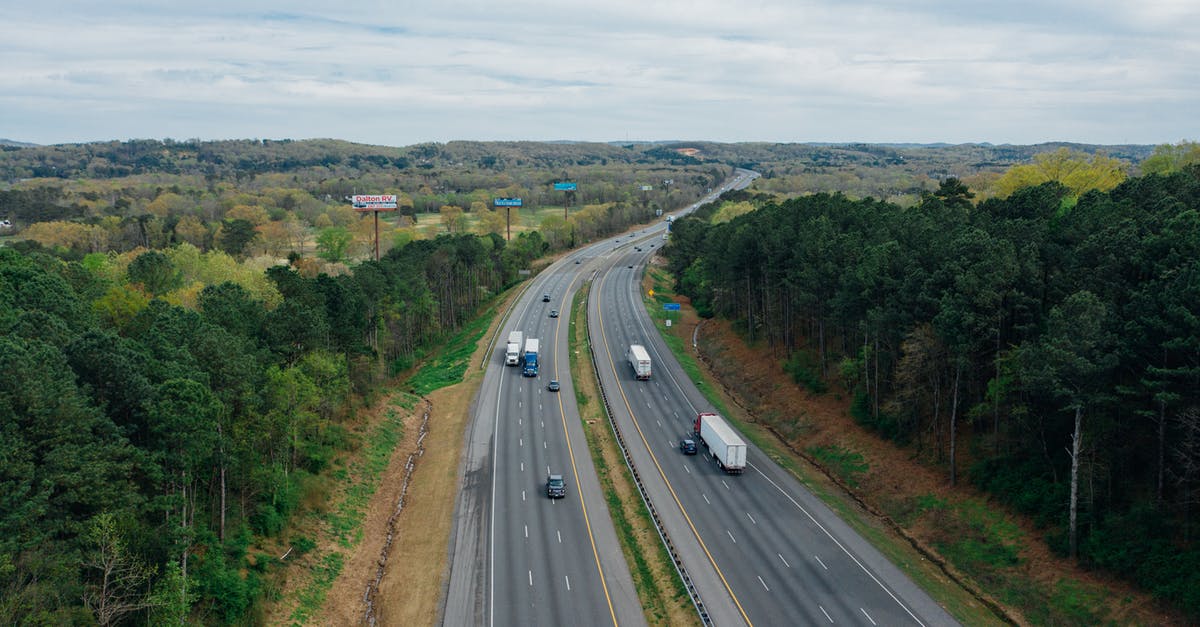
<point>576,262</point>
<point>553,313</point>
<point>554,386</point>
<point>546,297</point>
<point>687,446</point>
<point>556,488</point>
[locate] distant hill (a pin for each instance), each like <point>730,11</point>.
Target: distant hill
<point>899,172</point>
<point>13,142</point>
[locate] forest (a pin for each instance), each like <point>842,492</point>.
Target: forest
<point>187,329</point>
<point>147,444</point>
<point>1044,346</point>
<point>183,353</point>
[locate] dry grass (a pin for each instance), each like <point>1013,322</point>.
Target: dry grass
<point>412,585</point>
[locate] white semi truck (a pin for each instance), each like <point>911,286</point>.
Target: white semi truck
<point>512,350</point>
<point>639,360</point>
<point>722,441</point>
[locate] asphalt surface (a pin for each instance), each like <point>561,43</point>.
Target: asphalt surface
<point>517,556</point>
<point>758,547</point>
<point>761,548</point>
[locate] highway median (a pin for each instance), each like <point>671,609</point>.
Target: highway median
<point>662,594</point>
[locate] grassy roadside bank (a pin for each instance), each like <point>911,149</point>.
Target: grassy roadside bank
<point>339,535</point>
<point>960,603</point>
<point>664,599</point>
<point>966,551</point>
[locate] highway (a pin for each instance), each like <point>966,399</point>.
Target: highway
<point>758,547</point>
<point>761,549</point>
<point>517,557</point>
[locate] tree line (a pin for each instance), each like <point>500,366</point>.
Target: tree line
<point>145,445</point>
<point>1045,346</point>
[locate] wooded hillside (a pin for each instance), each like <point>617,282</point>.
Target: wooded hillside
<point>1044,347</point>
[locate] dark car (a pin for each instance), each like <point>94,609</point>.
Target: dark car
<point>553,387</point>
<point>687,446</point>
<point>546,298</point>
<point>556,488</point>
<point>553,313</point>
<point>576,262</point>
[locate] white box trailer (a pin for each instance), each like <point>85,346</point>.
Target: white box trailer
<point>726,446</point>
<point>639,360</point>
<point>512,350</point>
<point>530,369</point>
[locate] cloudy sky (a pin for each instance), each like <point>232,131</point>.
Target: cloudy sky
<point>403,72</point>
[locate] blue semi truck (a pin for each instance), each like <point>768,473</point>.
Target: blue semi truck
<point>531,357</point>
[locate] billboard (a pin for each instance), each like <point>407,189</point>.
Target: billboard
<point>507,202</point>
<point>374,202</point>
<point>565,187</point>
<point>646,188</point>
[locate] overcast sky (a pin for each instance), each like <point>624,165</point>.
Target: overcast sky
<point>403,72</point>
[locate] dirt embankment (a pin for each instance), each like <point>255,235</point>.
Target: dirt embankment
<point>897,478</point>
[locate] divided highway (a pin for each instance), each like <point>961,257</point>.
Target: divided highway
<point>758,547</point>
<point>517,557</point>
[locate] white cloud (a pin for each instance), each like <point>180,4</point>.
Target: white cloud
<point>884,70</point>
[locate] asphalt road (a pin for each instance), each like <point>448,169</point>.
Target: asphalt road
<point>517,556</point>
<point>761,549</point>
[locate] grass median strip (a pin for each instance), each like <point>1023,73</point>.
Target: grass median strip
<point>663,597</point>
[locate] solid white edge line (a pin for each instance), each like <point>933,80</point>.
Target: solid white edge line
<point>839,544</point>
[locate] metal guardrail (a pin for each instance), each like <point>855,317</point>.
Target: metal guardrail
<point>693,593</point>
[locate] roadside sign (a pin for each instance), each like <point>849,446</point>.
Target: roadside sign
<point>374,202</point>
<point>671,306</point>
<point>565,187</point>
<point>507,202</point>
<point>646,188</point>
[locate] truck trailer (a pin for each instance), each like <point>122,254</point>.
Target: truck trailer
<point>639,360</point>
<point>512,350</point>
<point>531,357</point>
<point>722,441</point>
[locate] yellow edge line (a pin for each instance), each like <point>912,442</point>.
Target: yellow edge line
<point>571,453</point>
<point>654,458</point>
